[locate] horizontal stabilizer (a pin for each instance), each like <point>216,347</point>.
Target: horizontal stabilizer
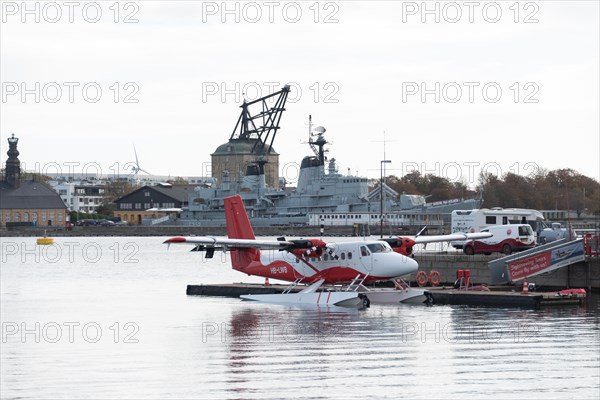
<point>206,248</point>
<point>227,243</point>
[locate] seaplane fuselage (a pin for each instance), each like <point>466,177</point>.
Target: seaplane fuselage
<point>371,260</point>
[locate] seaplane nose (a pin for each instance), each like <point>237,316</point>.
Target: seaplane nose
<point>408,266</point>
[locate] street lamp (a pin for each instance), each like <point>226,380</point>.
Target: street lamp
<point>381,197</point>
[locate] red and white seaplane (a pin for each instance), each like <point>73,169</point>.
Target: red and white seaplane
<point>341,268</point>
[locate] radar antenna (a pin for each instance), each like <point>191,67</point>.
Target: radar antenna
<point>317,145</point>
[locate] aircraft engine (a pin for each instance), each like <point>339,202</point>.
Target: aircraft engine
<point>401,245</point>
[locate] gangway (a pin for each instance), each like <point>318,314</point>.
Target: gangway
<point>536,261</point>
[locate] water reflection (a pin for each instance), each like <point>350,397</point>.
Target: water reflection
<point>271,345</point>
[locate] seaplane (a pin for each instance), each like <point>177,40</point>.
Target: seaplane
<point>334,274</point>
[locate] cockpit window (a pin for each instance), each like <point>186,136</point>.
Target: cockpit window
<point>363,251</point>
<point>378,248</point>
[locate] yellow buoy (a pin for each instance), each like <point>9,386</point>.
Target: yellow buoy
<point>45,240</point>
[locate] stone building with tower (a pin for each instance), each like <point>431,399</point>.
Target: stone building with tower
<point>231,161</point>
<point>27,202</point>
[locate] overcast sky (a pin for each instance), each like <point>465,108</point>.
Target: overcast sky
<point>457,87</point>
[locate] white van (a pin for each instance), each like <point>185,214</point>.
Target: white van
<point>476,220</point>
<point>506,239</point>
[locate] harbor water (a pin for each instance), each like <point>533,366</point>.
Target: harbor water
<point>108,318</point>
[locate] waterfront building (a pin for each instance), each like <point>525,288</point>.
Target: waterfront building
<point>27,202</point>
<point>152,203</point>
<point>80,196</point>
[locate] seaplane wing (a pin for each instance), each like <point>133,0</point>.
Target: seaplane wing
<point>307,247</point>
<point>210,241</point>
<point>451,237</point>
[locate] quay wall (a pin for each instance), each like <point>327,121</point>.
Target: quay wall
<point>581,275</point>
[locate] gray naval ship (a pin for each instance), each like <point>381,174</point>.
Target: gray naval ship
<point>248,165</point>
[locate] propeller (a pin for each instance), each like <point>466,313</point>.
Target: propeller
<point>305,247</point>
<point>419,233</point>
<point>308,248</point>
<point>332,253</point>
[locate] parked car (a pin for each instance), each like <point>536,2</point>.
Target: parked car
<point>87,222</point>
<point>506,239</point>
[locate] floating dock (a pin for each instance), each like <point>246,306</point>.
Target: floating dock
<point>236,289</point>
<point>534,300</point>
<point>441,296</point>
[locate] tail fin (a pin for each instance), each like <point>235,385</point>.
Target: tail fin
<point>238,227</point>
<point>238,224</point>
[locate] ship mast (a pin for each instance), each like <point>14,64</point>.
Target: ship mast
<point>317,145</point>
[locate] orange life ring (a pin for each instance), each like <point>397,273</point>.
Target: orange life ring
<point>434,278</point>
<point>421,278</point>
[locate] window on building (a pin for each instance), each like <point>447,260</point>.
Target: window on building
<point>147,193</point>
<point>17,217</point>
<point>138,206</point>
<point>26,217</point>
<point>34,217</point>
